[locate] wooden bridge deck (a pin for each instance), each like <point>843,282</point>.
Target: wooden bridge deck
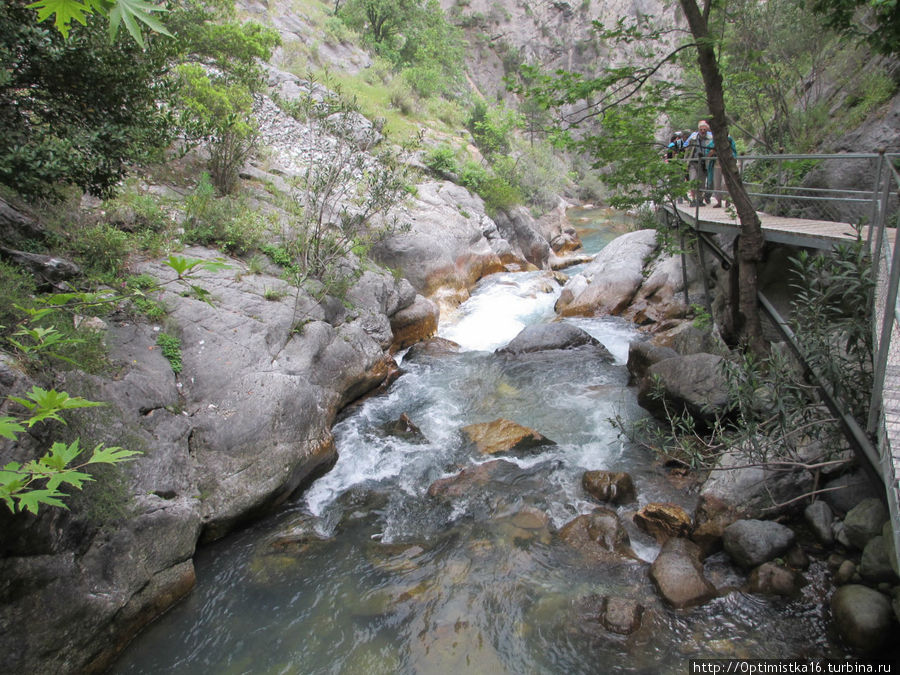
<point>820,234</point>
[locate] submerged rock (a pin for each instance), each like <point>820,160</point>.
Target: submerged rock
<point>615,487</point>
<point>616,614</point>
<point>772,579</point>
<point>505,436</point>
<point>599,534</point>
<point>462,483</point>
<point>404,428</point>
<point>678,574</point>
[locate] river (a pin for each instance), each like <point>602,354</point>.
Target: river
<point>378,576</point>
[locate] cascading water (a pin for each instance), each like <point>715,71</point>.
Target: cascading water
<point>370,572</point>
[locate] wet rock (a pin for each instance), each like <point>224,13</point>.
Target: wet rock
<point>797,559</point>
<point>711,518</point>
<point>432,348</point>
<point>678,574</point>
<point>600,534</point>
<point>296,536</point>
<point>617,615</point>
<point>663,521</point>
<point>864,521</point>
<point>548,336</point>
<point>642,355</point>
<point>404,428</point>
<point>862,616</point>
<point>889,538</point>
<point>845,572</point>
<point>465,480</point>
<point>875,563</point>
<point>615,487</point>
<point>819,517</point>
<point>753,542</point>
<point>505,436</point>
<point>772,579</point>
<point>414,323</point>
<point>693,383</point>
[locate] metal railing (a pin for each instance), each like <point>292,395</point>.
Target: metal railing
<point>803,186</point>
<point>867,194</point>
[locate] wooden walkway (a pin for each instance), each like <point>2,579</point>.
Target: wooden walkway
<point>819,234</point>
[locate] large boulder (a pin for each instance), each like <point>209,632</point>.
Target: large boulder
<point>752,489</point>
<point>693,383</point>
<point>753,542</point>
<point>863,616</point>
<point>504,436</point>
<point>412,324</point>
<point>614,276</point>
<point>547,336</point>
<point>444,245</point>
<point>678,574</point>
<point>864,521</point>
<point>661,294</point>
<point>523,234</point>
<point>819,517</point>
<point>643,354</point>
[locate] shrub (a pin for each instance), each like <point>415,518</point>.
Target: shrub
<point>499,195</point>
<point>224,221</point>
<point>102,251</point>
<point>16,287</point>
<point>441,160</point>
<point>472,175</point>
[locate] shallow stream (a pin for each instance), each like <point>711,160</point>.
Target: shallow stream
<point>367,573</point>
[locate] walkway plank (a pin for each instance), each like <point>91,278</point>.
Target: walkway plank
<point>819,234</point>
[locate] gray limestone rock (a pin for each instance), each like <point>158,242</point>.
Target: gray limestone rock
<point>694,383</point>
<point>753,542</point>
<point>542,337</point>
<point>819,517</point>
<point>864,521</point>
<point>678,574</point>
<point>862,616</point>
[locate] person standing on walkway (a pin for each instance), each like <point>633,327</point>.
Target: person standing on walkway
<point>718,181</point>
<point>696,152</point>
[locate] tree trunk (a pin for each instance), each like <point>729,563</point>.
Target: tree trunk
<point>750,243</point>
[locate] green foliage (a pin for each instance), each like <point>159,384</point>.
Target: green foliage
<point>78,110</point>
<point>415,37</point>
<point>473,175</point>
<point>171,349</point>
<point>441,160</point>
<point>225,221</point>
<point>877,22</point>
<point>26,486</point>
<point>132,13</point>
<point>102,251</point>
<point>16,288</point>
<point>492,127</point>
<point>499,195</point>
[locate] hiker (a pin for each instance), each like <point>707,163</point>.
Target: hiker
<point>675,147</point>
<point>696,151</point>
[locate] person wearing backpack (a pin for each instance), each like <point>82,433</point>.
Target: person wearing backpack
<point>696,151</point>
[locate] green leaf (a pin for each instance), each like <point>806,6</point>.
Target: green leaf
<point>60,455</point>
<point>31,500</point>
<point>65,11</point>
<point>133,13</point>
<point>9,427</point>
<point>111,455</point>
<point>46,404</point>
<point>72,477</point>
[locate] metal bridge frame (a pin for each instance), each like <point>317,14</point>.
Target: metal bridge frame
<point>879,443</point>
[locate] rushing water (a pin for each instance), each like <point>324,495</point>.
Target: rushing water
<point>377,576</point>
